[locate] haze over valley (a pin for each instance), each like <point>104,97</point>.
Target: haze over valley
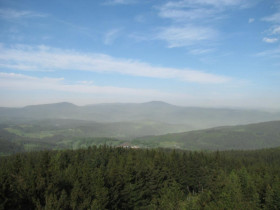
<point>65,125</point>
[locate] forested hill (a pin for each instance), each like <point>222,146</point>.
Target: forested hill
<point>244,137</point>
<point>118,178</point>
<point>63,134</point>
<point>191,117</point>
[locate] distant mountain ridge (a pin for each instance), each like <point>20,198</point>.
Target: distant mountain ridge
<point>157,111</point>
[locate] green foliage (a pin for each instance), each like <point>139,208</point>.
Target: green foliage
<point>272,197</point>
<point>46,129</point>
<point>116,178</point>
<point>68,134</point>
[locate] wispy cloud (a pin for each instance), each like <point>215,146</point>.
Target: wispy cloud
<point>186,36</point>
<point>17,14</point>
<point>270,40</point>
<point>83,92</point>
<point>187,12</point>
<point>23,82</point>
<point>275,18</point>
<point>194,21</point>
<point>214,3</point>
<point>273,32</point>
<point>111,35</point>
<point>200,51</point>
<point>275,53</point>
<point>220,3</point>
<point>60,90</point>
<point>24,57</point>
<point>140,18</point>
<point>118,2</point>
<point>199,9</point>
<point>251,20</point>
<point>190,14</point>
<point>275,29</point>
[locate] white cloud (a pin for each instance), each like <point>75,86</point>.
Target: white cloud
<point>189,12</point>
<point>222,3</point>
<point>24,57</point>
<point>273,18</point>
<point>251,20</point>
<point>140,18</point>
<point>195,21</point>
<point>17,14</point>
<point>184,15</point>
<point>275,30</point>
<point>186,36</point>
<point>200,51</point>
<point>116,2</point>
<point>270,40</point>
<point>217,5</point>
<point>22,82</point>
<point>25,90</point>
<point>110,36</point>
<point>275,53</point>
<point>202,10</point>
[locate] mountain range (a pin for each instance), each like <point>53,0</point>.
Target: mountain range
<point>191,118</point>
<point>148,125</point>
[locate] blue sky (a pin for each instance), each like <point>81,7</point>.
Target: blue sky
<point>217,53</point>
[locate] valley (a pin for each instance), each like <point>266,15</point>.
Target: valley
<point>146,125</point>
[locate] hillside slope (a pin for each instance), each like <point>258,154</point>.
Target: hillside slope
<point>244,137</point>
<point>79,128</point>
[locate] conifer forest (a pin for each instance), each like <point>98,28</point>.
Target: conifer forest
<point>108,177</point>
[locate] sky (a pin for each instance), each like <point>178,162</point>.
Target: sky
<point>207,53</point>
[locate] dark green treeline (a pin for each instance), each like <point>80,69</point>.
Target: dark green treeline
<point>118,178</point>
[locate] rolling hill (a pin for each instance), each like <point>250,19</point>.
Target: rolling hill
<point>79,128</point>
<point>242,137</point>
<point>63,134</point>
<point>65,125</point>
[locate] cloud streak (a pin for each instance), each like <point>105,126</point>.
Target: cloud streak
<point>18,14</point>
<point>119,2</point>
<point>275,18</point>
<point>25,90</point>
<point>203,10</point>
<point>270,40</point>
<point>193,20</point>
<point>84,92</point>
<point>111,36</point>
<point>276,30</point>
<point>24,83</point>
<point>200,51</point>
<point>24,57</point>
<point>190,14</point>
<point>217,3</point>
<point>251,20</point>
<point>273,32</point>
<point>274,53</point>
<point>186,36</point>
